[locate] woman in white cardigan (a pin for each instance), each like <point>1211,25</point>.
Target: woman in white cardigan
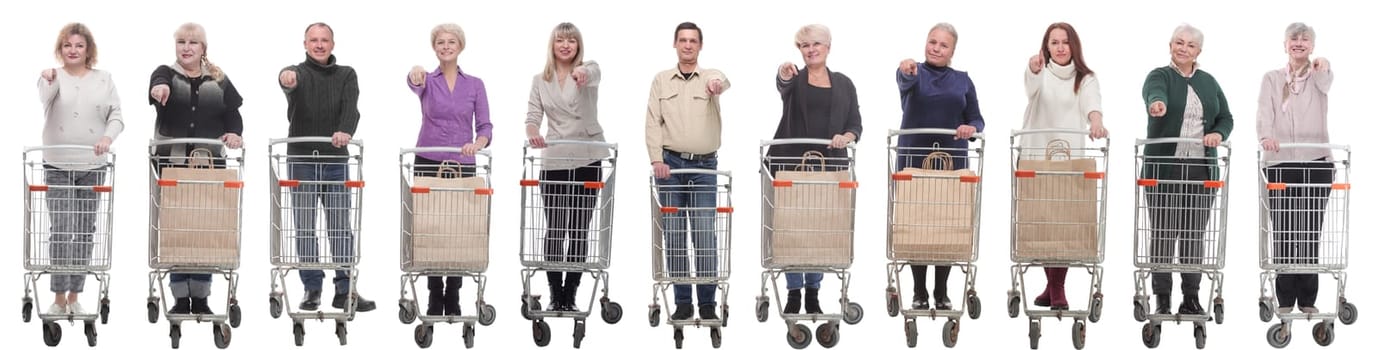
<point>80,108</point>
<point>1063,94</point>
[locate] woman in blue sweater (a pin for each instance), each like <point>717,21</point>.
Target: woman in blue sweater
<point>934,95</point>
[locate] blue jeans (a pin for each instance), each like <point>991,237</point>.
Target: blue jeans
<point>697,191</point>
<point>797,280</point>
<point>335,199</point>
<point>193,285</point>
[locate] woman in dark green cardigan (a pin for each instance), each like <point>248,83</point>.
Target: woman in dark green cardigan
<point>1182,101</point>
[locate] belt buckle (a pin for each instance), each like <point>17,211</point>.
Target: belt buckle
<point>689,156</point>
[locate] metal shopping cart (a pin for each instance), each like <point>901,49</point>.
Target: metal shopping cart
<point>1180,227</point>
<point>305,236</point>
<point>691,222</point>
<point>1058,219</point>
<point>445,233</point>
<point>1304,229</point>
<point>808,205</point>
<point>68,218</point>
<point>567,226</point>
<point>194,225</point>
<point>934,218</point>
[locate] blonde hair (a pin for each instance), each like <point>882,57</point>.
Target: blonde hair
<point>563,30</point>
<point>76,29</point>
<point>452,29</point>
<point>196,32</point>
<point>814,30</point>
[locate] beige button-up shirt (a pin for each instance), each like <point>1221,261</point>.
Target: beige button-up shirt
<point>681,115</point>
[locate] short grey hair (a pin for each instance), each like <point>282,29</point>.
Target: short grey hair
<point>812,31</point>
<point>1299,29</point>
<point>1190,30</point>
<point>945,26</point>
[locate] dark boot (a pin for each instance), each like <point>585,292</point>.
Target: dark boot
<point>682,312</point>
<point>1043,298</point>
<point>452,303</point>
<point>201,307</point>
<point>557,298</point>
<point>811,301</point>
<point>570,291</point>
<point>1164,304</point>
<point>182,306</point>
<point>1190,306</point>
<point>1058,299</point>
<point>706,312</point>
<point>792,302</point>
<point>310,301</point>
<point>435,303</point>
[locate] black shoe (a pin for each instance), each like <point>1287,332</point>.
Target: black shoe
<point>811,301</point>
<point>1164,304</point>
<point>310,301</point>
<point>435,303</point>
<point>182,306</point>
<point>569,302</point>
<point>200,307</point>
<point>706,312</point>
<point>682,312</point>
<point>1190,306</point>
<point>941,303</point>
<point>792,303</point>
<point>920,304</point>
<point>557,299</point>
<point>452,303</point>
<point>360,304</point>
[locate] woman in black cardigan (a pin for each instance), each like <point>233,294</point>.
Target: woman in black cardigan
<point>822,105</point>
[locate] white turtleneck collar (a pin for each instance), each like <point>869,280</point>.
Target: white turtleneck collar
<point>1061,71</point>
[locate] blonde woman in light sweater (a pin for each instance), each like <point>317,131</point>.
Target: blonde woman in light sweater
<point>80,107</point>
<point>1063,94</point>
<point>1292,109</point>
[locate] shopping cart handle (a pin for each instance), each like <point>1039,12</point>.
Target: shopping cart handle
<point>933,131</point>
<point>549,143</point>
<point>1314,145</point>
<point>183,140</point>
<point>482,152</point>
<point>63,147</point>
<point>824,142</point>
<point>700,171</point>
<point>1162,140</point>
<point>315,139</point>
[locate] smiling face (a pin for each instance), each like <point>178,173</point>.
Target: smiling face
<point>190,49</point>
<point>319,43</point>
<point>565,48</point>
<point>73,51</point>
<point>1184,49</point>
<point>1299,47</point>
<point>814,52</point>
<point>938,49</point>
<point>447,47</point>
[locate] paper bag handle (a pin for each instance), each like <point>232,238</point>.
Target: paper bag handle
<point>804,160</point>
<point>1057,147</point>
<point>944,160</point>
<point>199,158</point>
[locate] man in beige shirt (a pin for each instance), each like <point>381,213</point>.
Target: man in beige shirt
<point>683,131</point>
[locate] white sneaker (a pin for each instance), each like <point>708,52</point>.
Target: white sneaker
<point>75,309</point>
<point>1308,310</point>
<point>1285,309</point>
<point>56,309</point>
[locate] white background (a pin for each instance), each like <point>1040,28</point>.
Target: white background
<point>745,39</point>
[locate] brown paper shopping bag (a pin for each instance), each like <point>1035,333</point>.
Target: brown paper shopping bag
<point>449,221</point>
<point>198,223</point>
<point>1056,214</point>
<point>812,222</point>
<point>932,217</point>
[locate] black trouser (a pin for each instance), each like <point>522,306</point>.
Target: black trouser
<point>422,166</point>
<point>1178,215</point>
<point>1297,214</point>
<point>569,207</point>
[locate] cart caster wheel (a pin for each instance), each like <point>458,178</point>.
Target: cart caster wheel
<point>405,314</point>
<point>828,334</point>
<point>90,330</point>
<point>1013,307</point>
<point>911,333</point>
<point>715,337</point>
<point>220,333</point>
<point>105,310</point>
<point>468,336</point>
<point>679,338</point>
<point>52,333</point>
<point>579,334</point>
<point>799,336</point>
<point>488,314</point>
<point>612,312</point>
<point>1034,335</point>
<point>235,315</point>
<point>1324,333</point>
<point>275,307</point>
<point>950,333</point>
<point>1079,335</point>
<point>1277,337</point>
<point>298,333</point>
<point>423,335</point>
<point>541,333</point>
<point>1141,311</point>
<point>1199,334</point>
<point>974,306</point>
<point>1348,313</point>
<point>1094,314</point>
<point>153,312</point>
<point>653,316</point>
<point>528,305</point>
<point>853,315</point>
<point>1219,313</point>
<point>763,310</point>
<point>28,310</point>
<point>175,334</point>
<point>892,302</point>
<point>1150,335</point>
<point>341,332</point>
<point>1266,313</point>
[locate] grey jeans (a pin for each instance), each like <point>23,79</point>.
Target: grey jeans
<point>73,223</point>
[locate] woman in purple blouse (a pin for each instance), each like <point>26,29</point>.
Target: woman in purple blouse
<point>454,113</point>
